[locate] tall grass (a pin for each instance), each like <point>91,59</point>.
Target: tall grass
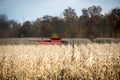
<point>40,62</point>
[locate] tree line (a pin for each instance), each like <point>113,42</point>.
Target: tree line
<point>90,24</point>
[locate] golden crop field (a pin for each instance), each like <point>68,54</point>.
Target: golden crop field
<point>39,62</point>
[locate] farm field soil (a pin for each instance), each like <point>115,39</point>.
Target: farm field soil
<point>40,62</point>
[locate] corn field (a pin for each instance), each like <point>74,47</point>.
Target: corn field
<point>52,62</point>
<point>71,41</point>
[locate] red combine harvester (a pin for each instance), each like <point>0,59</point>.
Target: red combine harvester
<point>53,41</point>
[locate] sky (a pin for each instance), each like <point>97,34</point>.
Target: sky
<point>23,10</point>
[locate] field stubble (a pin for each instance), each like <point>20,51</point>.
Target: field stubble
<point>40,62</point>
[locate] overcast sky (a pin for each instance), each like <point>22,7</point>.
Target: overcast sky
<point>22,10</point>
